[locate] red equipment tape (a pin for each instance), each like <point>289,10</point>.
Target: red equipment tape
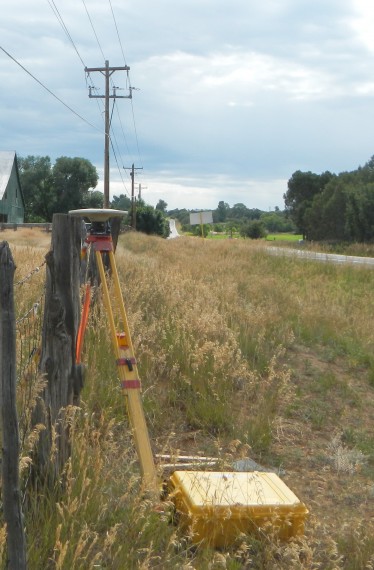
<point>131,384</point>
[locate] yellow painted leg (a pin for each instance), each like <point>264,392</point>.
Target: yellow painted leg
<point>128,373</point>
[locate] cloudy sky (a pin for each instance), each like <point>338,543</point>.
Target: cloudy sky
<point>232,96</point>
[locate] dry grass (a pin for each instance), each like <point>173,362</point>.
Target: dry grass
<point>240,354</point>
<point>35,238</point>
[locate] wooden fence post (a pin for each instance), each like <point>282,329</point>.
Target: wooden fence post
<point>11,495</point>
<point>60,326</point>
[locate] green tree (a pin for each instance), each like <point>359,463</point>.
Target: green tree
<point>253,229</point>
<point>162,206</point>
<point>302,188</point>
<point>93,199</point>
<point>67,185</point>
<point>201,231</point>
<point>72,180</point>
<point>231,228</point>
<point>182,215</point>
<point>360,213</point>
<point>221,212</point>
<point>276,222</point>
<point>36,182</point>
<point>326,216</point>
<point>121,202</point>
<point>239,211</point>
<point>151,221</point>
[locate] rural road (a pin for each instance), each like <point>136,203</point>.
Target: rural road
<point>173,230</point>
<point>326,257</point>
<point>301,253</point>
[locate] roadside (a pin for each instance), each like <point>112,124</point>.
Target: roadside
<point>326,257</point>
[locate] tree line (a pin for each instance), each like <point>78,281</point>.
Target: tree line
<point>333,207</point>
<point>69,184</point>
<point>249,222</point>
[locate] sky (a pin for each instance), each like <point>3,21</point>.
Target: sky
<point>229,97</point>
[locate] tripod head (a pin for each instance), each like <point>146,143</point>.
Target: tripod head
<point>99,218</point>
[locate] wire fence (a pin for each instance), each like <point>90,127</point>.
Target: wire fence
<point>40,313</point>
<point>29,326</point>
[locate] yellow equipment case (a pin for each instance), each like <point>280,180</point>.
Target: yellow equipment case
<point>217,506</point>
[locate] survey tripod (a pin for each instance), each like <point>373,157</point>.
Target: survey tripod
<point>99,238</point>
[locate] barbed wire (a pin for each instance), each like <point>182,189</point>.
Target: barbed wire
<point>33,310</point>
<point>28,329</point>
<point>28,354</point>
<point>30,274</point>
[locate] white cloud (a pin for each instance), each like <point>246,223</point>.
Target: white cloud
<point>203,192</point>
<point>234,96</point>
<point>363,23</point>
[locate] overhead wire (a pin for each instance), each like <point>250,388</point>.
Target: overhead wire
<point>49,90</point>
<point>118,36</point>
<point>131,89</point>
<point>62,23</point>
<point>127,81</point>
<point>102,53</point>
<point>93,29</point>
<point>60,19</point>
<point>66,31</point>
<point>114,151</point>
<point>88,76</point>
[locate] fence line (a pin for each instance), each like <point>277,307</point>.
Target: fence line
<point>44,370</point>
<point>30,274</point>
<point>29,329</point>
<point>47,226</point>
<point>11,495</point>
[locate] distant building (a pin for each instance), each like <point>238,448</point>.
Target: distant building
<point>12,204</point>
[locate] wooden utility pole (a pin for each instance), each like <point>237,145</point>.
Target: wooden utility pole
<point>133,199</point>
<point>107,72</point>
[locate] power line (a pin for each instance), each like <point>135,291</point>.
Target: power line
<point>62,23</point>
<point>118,36</point>
<point>67,33</point>
<point>49,91</point>
<point>136,132</point>
<point>88,76</point>
<point>131,88</point>
<point>93,29</point>
<point>65,29</point>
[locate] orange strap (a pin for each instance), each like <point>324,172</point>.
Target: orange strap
<point>83,323</point>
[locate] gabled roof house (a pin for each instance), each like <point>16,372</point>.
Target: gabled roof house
<point>12,204</point>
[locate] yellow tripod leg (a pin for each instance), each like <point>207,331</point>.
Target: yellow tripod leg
<point>128,373</point>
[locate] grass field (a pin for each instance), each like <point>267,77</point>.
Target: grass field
<point>284,237</point>
<point>241,354</point>
<point>279,237</point>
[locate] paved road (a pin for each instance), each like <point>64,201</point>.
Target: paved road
<point>326,257</point>
<point>173,230</point>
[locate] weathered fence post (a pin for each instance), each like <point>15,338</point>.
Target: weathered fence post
<point>11,496</point>
<point>60,326</point>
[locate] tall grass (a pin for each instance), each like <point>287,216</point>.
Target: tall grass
<point>240,353</point>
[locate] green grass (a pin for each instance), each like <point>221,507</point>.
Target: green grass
<point>284,237</point>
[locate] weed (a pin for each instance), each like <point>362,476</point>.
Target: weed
<point>232,344</point>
